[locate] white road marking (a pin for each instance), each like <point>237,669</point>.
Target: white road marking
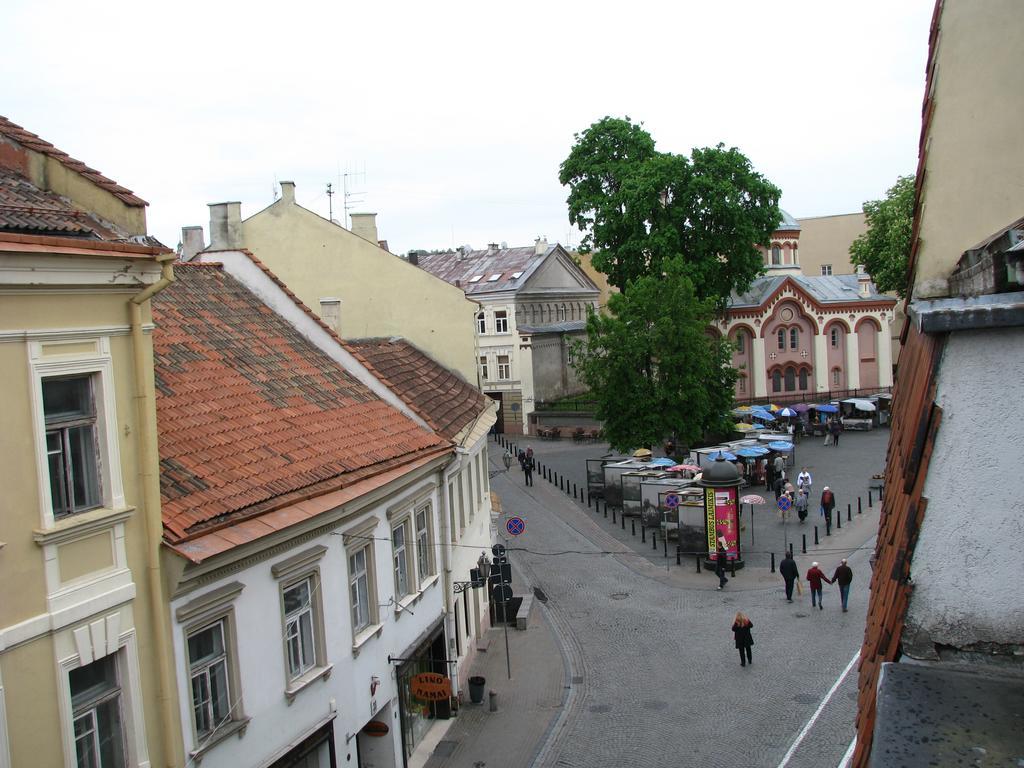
<point>845,762</point>
<point>817,713</point>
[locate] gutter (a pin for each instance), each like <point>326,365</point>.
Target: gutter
<point>171,740</point>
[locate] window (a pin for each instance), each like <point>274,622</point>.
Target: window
<point>742,380</point>
<point>483,367</point>
<point>834,335</point>
<point>96,704</point>
<point>803,378</point>
<point>400,554</point>
<point>777,381</point>
<point>501,321</point>
<point>299,628</point>
<point>796,259</point>
<point>776,255</point>
<point>782,338</point>
<point>494,278</point>
<point>481,323</point>
<point>504,368</point>
<point>560,313</point>
<point>516,275</point>
<point>69,411</point>
<point>208,670</point>
<point>826,269</point>
<point>475,278</point>
<point>790,379</point>
<point>835,377</point>
<point>424,552</point>
<point>359,589</point>
<point>794,339</point>
<point>741,342</point>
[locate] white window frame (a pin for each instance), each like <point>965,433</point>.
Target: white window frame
<point>826,270</point>
<point>481,323</point>
<point>201,668</point>
<point>361,580</point>
<point>504,369</point>
<point>834,337</point>
<point>501,321</point>
<point>400,560</point>
<point>88,466</point>
<point>47,361</point>
<point>295,621</point>
<point>90,708</point>
<point>482,362</point>
<point>292,573</point>
<point>425,560</point>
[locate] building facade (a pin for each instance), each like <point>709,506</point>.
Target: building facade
<point>84,675</point>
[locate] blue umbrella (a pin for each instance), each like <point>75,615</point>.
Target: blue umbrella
<point>787,412</point>
<point>724,454</point>
<point>763,416</point>
<point>780,445</point>
<point>750,453</point>
<point>663,461</point>
<point>826,409</point>
<point>760,450</point>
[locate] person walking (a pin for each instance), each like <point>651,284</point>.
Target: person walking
<point>522,459</point>
<point>780,486</point>
<point>790,574</point>
<point>720,559</point>
<point>814,577</point>
<point>835,429</point>
<point>780,466</point>
<point>843,577</point>
<point>741,627</point>
<point>803,480</point>
<point>828,503</point>
<point>801,504</point>
<point>828,433</point>
<point>528,466</point>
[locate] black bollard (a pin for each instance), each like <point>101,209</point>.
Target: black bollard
<point>561,483</point>
<point>606,510</point>
<point>849,515</point>
<point>732,568</point>
<point>588,499</point>
<point>632,527</point>
<point>815,535</point>
<point>664,540</point>
<point>613,515</point>
<point>622,519</point>
<point>839,519</point>
<point>698,563</point>
<point>858,505</point>
<point>654,539</point>
<point>805,544</point>
<point>870,504</point>
<point>773,562</point>
<point>574,490</point>
<point>679,555</point>
<point>643,535</point>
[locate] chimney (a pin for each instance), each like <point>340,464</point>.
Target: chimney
<point>492,247</point>
<point>414,258</point>
<point>192,242</point>
<point>225,226</point>
<point>540,246</point>
<point>863,281</point>
<point>365,225</point>
<point>288,192</point>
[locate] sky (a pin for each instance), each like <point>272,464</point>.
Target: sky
<point>453,117</point>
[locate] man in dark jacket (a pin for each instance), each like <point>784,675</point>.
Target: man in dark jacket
<point>528,466</point>
<point>814,577</point>
<point>843,577</point>
<point>828,503</point>
<point>790,573</point>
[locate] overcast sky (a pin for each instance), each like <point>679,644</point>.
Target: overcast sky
<point>460,113</point>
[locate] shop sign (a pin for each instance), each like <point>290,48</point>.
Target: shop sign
<point>376,728</point>
<point>430,686</point>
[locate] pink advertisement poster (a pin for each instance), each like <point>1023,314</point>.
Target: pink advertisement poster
<point>722,520</point>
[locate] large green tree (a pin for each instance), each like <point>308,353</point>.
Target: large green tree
<point>650,364</point>
<point>884,249</point>
<point>639,207</point>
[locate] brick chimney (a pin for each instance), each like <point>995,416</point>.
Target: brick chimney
<point>365,225</point>
<point>225,226</point>
<point>288,192</point>
<point>192,242</point>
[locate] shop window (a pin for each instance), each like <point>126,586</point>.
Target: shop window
<point>501,321</point>
<point>782,339</point>
<point>790,379</point>
<point>98,723</point>
<point>69,411</point>
<point>794,339</point>
<point>777,381</point>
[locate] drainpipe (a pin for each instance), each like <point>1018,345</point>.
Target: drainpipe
<point>149,461</point>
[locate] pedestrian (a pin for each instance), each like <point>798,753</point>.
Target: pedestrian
<point>522,459</point>
<point>828,503</point>
<point>720,558</point>
<point>780,486</point>
<point>814,577</point>
<point>790,574</point>
<point>780,466</point>
<point>741,627</point>
<point>843,577</point>
<point>826,425</point>
<point>528,466</point>
<point>801,504</point>
<point>835,429</point>
<point>803,480</point>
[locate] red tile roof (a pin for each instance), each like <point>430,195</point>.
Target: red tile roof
<point>26,208</point>
<point>29,140</point>
<point>438,396</point>
<point>252,417</point>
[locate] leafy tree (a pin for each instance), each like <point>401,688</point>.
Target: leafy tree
<point>639,207</point>
<point>884,249</point>
<point>650,364</point>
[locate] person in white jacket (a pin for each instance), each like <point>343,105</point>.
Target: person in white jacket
<point>803,480</point>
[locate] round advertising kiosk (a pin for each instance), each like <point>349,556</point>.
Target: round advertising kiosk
<point>721,484</point>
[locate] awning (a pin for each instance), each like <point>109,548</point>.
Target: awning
<point>861,405</point>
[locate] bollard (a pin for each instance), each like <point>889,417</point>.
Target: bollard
<point>643,534</point>
<point>492,701</point>
<point>858,505</point>
<point>606,510</point>
<point>815,535</point>
<point>805,544</point>
<point>622,518</point>
<point>679,554</point>
<point>870,504</point>
<point>589,499</point>
<point>664,541</point>
<point>632,527</point>
<point>613,515</point>
<point>732,568</point>
<point>849,516</point>
<point>839,520</point>
<point>654,539</point>
<point>773,562</point>
<point>574,490</point>
<point>698,563</point>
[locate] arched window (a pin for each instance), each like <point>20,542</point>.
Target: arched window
<point>741,342</point>
<point>834,334</point>
<point>803,378</point>
<point>776,255</point>
<point>790,379</point>
<point>794,338</point>
<point>743,383</point>
<point>835,377</point>
<point>560,310</point>
<point>796,258</point>
<point>777,381</point>
<point>782,338</point>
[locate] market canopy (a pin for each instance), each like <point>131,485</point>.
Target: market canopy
<point>861,405</point>
<point>762,415</point>
<point>749,452</point>
<point>684,468</point>
<point>742,426</point>
<point>801,407</point>
<point>723,454</point>
<point>663,461</point>
<point>787,412</point>
<point>827,408</point>
<point>780,445</point>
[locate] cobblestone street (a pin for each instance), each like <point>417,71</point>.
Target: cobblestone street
<point>652,672</point>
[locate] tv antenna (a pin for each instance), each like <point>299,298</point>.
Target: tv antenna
<point>351,197</point>
<point>330,201</point>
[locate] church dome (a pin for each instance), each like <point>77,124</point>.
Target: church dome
<point>788,223</point>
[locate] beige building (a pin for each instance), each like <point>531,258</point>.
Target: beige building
<point>356,286</point>
<point>825,243</point>
<point>84,674</point>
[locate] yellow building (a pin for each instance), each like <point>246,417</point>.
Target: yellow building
<point>825,243</point>
<point>82,627</point>
<point>356,286</point>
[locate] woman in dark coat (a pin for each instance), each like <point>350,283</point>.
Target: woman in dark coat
<point>741,631</point>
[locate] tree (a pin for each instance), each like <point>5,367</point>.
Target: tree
<point>884,249</point>
<point>639,207</point>
<point>650,364</point>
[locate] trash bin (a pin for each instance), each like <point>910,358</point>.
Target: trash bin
<point>476,689</point>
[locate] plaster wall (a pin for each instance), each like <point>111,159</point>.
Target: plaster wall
<point>827,240</point>
<point>968,558</point>
<point>975,159</point>
<point>31,695</point>
<point>867,347</point>
<point>553,376</point>
<point>599,278</point>
<point>381,294</point>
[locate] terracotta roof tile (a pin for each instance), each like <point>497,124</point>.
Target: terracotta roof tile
<point>26,208</point>
<point>252,417</point>
<point>438,396</point>
<point>29,140</point>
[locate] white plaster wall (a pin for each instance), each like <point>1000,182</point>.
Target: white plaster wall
<point>259,627</point>
<point>969,557</point>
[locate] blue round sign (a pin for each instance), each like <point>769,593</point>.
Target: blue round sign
<point>672,500</point>
<point>515,525</point>
<point>784,503</point>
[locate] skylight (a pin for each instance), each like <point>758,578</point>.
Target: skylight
<point>493,278</point>
<point>516,275</point>
<point>475,278</point>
